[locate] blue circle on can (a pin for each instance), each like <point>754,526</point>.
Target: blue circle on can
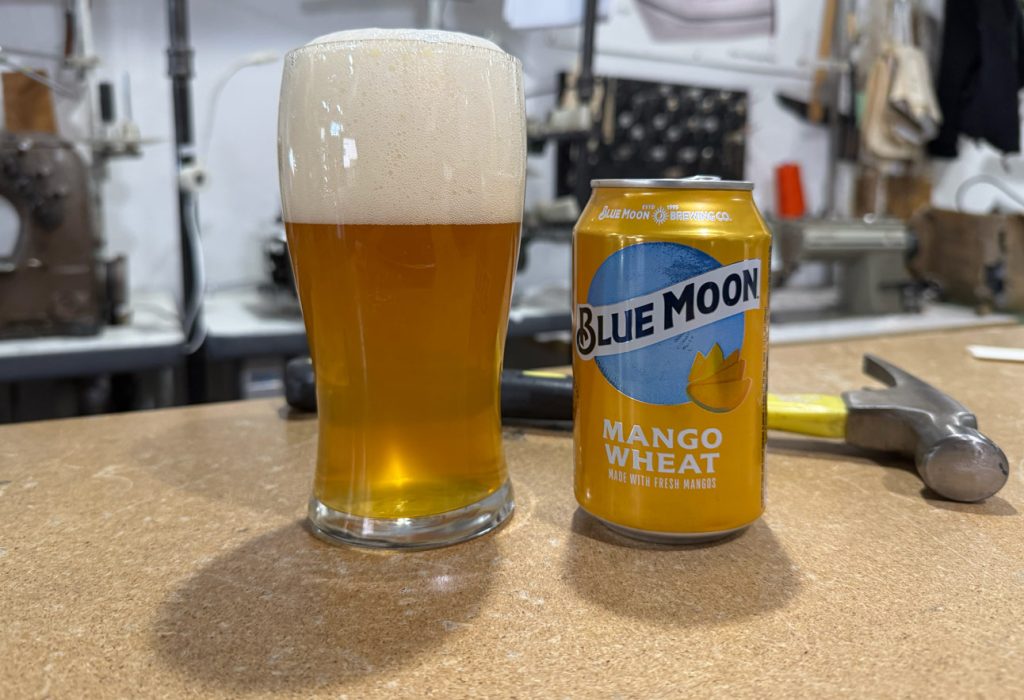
<point>658,374</point>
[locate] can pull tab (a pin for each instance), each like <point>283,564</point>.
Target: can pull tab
<point>704,178</point>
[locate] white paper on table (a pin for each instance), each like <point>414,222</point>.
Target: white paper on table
<point>994,352</point>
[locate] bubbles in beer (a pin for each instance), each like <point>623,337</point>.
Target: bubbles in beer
<point>401,127</point>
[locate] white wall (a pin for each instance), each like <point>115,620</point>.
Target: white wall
<point>241,201</point>
<point>242,198</point>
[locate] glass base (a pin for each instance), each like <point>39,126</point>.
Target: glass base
<point>412,533</point>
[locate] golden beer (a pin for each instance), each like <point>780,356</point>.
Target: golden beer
<point>409,403</point>
<point>402,157</point>
<point>670,296</point>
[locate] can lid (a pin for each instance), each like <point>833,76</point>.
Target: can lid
<point>697,182</point>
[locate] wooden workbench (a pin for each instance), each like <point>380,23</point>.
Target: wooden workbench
<point>162,554</point>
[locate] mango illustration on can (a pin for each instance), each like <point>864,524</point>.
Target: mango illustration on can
<point>670,300</point>
<point>717,383</point>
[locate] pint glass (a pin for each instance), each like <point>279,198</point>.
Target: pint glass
<point>402,159</point>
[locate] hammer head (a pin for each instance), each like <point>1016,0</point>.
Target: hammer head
<point>912,417</point>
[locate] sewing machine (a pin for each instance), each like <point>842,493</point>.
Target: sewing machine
<point>52,279</point>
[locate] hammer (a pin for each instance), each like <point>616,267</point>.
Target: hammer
<point>910,417</point>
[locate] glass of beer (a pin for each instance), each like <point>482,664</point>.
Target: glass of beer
<point>402,158</point>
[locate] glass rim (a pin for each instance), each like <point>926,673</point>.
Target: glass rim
<point>407,39</point>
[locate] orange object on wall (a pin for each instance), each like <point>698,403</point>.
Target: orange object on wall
<point>789,191</point>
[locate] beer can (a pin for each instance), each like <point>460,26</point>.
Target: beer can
<point>670,302</point>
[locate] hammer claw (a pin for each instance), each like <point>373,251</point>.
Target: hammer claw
<point>887,373</point>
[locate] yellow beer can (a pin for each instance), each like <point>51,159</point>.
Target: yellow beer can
<point>670,300</point>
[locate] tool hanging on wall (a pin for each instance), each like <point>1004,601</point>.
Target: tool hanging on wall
<point>816,105</point>
<point>901,112</point>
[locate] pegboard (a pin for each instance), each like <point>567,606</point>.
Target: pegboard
<point>647,130</point>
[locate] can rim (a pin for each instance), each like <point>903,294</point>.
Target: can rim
<point>698,182</point>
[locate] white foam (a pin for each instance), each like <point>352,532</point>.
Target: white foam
<point>401,127</point>
<point>425,35</point>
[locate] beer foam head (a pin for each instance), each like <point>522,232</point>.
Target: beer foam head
<point>382,126</point>
<point>423,35</point>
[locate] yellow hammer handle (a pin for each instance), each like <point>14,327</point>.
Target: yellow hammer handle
<point>807,414</point>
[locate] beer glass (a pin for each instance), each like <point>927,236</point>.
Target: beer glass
<point>402,160</point>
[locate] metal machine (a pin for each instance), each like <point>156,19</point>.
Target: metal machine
<point>873,276</point>
<point>52,279</point>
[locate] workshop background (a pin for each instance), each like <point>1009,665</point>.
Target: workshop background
<point>774,68</point>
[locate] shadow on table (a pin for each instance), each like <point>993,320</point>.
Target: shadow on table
<point>993,506</point>
<point>285,612</point>
<point>820,447</point>
<point>286,412</point>
<point>900,477</point>
<point>687,585</point>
